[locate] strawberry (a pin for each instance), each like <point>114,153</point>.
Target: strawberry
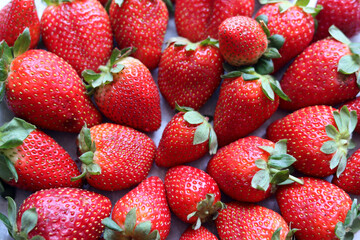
<point>186,138</point>
<point>247,169</point>
<point>323,74</point>
<point>189,73</point>
<point>43,89</point>
<point>126,92</point>
<point>196,20</point>
<point>32,160</point>
<point>193,195</point>
<point>140,24</point>
<point>200,234</point>
<point>142,213</point>
<point>15,17</point>
<point>238,220</point>
<point>318,209</point>
<point>318,137</point>
<point>114,157</point>
<point>354,105</point>
<point>58,213</point>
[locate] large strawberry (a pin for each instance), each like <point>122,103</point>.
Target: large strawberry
<point>318,137</point>
<point>142,213</point>
<point>319,210</point>
<point>43,89</point>
<point>125,91</point>
<point>199,19</point>
<point>32,160</point>
<point>15,17</point>
<point>140,24</point>
<point>185,76</point>
<point>58,213</point>
<point>325,73</point>
<point>114,157</point>
<point>187,137</point>
<point>79,31</point>
<point>200,234</point>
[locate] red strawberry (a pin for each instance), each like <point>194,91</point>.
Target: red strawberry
<point>199,19</point>
<point>318,209</point>
<point>32,160</point>
<point>142,213</point>
<point>186,138</point>
<point>323,74</point>
<point>200,234</point>
<point>43,89</point>
<point>140,24</point>
<point>114,157</point>
<point>318,137</point>
<point>126,92</point>
<point>78,31</point>
<point>354,105</point>
<point>58,213</point>
<point>189,72</point>
<point>193,195</point>
<point>15,17</point>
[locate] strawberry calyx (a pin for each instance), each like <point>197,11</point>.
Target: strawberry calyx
<point>28,222</point>
<point>276,169</point>
<point>131,231</point>
<point>305,5</point>
<point>56,2</point>
<point>204,131</point>
<point>206,210</point>
<point>190,46</point>
<point>289,235</point>
<point>341,138</point>
<point>347,229</point>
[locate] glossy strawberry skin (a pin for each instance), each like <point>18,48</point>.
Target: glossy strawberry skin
<point>201,234</point>
<point>45,90</point>
<point>150,201</point>
<point>15,17</point>
<point>124,155</point>
<point>233,168</point>
<point>238,219</point>
<point>196,20</point>
<point>189,78</point>
<point>314,208</point>
<point>354,105</point>
<point>67,213</point>
<point>312,79</point>
<point>79,32</point>
<point>140,24</point>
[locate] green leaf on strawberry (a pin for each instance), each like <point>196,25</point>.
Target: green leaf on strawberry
<point>351,225</point>
<point>190,46</point>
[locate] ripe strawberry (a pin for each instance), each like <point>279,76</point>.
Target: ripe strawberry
<point>199,19</point>
<point>187,137</point>
<point>114,157</point>
<point>32,160</point>
<point>43,89</point>
<point>189,73</point>
<point>318,209</point>
<point>126,92</point>
<point>15,17</point>
<point>354,105</point>
<point>58,213</point>
<point>78,31</point>
<point>193,195</point>
<point>142,213</point>
<point>200,234</point>
<point>323,74</point>
<point>142,25</point>
<point>247,169</point>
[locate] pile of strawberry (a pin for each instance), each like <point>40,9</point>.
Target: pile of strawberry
<point>133,111</point>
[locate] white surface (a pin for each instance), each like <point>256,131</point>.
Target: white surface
<point>68,142</point>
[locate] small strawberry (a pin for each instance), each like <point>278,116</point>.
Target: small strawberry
<point>15,17</point>
<point>199,19</point>
<point>125,92</point>
<point>200,234</point>
<point>318,137</point>
<point>325,73</point>
<point>189,73</point>
<point>247,169</point>
<point>140,24</point>
<point>187,137</point>
<point>114,157</point>
<point>58,213</point>
<point>193,195</point>
<point>32,160</point>
<point>142,213</point>
<point>79,31</point>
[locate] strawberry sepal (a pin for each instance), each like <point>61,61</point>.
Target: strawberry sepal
<point>190,46</point>
<point>347,229</point>
<point>13,133</point>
